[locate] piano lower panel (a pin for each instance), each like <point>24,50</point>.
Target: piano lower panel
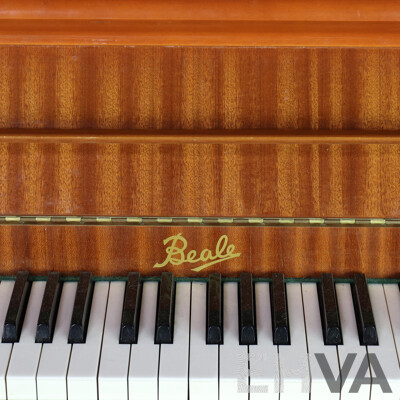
<point>116,250</point>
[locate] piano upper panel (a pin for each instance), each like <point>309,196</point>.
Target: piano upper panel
<point>198,23</point>
<point>224,174</point>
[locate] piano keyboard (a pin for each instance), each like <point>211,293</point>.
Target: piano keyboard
<point>215,339</point>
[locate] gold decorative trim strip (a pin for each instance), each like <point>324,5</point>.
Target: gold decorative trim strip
<point>194,221</point>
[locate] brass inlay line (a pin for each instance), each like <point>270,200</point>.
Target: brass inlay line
<point>194,221</point>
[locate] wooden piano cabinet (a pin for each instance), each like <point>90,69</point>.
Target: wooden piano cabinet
<point>194,174</point>
<point>116,250</point>
<point>189,87</point>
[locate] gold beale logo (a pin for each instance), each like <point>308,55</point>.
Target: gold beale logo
<point>176,253</point>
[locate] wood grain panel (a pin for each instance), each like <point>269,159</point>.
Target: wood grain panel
<point>201,179</point>
<point>119,87</point>
<point>116,250</point>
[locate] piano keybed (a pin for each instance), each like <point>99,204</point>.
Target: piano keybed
<point>219,338</point>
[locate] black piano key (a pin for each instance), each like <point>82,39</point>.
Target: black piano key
<point>81,310</point>
<point>165,310</point>
<point>214,310</point>
<point>131,310</point>
<point>363,310</point>
<point>247,318</point>
<point>279,311</point>
<point>48,310</point>
<point>329,311</point>
<point>16,309</point>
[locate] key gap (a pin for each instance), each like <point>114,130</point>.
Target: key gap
<point>308,348</point>
<point>391,325</point>
<point>37,370</point>
<point>102,337</point>
<point>8,365</point>
<point>190,327</point>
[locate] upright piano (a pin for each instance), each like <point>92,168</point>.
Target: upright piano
<point>199,200</point>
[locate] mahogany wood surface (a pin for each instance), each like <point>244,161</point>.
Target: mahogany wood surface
<point>116,250</point>
<point>199,23</point>
<point>116,87</point>
<point>201,179</point>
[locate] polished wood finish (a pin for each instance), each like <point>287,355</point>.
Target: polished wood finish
<point>191,10</point>
<point>115,87</point>
<point>201,179</point>
<point>116,250</point>
<point>197,136</point>
<point>199,23</point>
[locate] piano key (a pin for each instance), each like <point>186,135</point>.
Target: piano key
<point>293,359</point>
<point>214,310</point>
<point>364,315</point>
<point>143,366</point>
<point>174,358</point>
<point>16,309</point>
<point>165,309</point>
<point>6,289</point>
<point>54,360</point>
<point>131,309</point>
<point>82,307</point>
<point>351,353</point>
<point>114,360</point>
<point>233,358</point>
<point>392,294</point>
<point>263,358</point>
<point>280,319</point>
<point>247,318</point>
<point>317,348</point>
<point>203,370</point>
<point>48,310</point>
<point>383,358</point>
<point>329,311</point>
<point>24,361</point>
<point>84,361</point>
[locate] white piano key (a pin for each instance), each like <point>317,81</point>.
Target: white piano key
<point>264,362</point>
<point>383,357</point>
<point>293,359</point>
<point>114,364</point>
<point>174,358</point>
<point>203,371</point>
<point>233,358</point>
<point>316,346</point>
<point>53,366</point>
<point>392,294</point>
<point>84,362</point>
<point>143,366</point>
<point>351,346</point>
<point>6,288</point>
<point>25,356</point>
